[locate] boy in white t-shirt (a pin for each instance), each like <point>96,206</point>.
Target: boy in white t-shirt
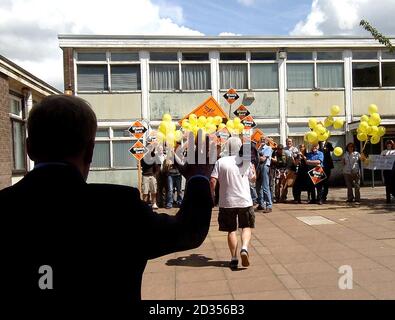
<point>234,173</point>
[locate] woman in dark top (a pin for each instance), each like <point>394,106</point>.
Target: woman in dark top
<point>302,176</point>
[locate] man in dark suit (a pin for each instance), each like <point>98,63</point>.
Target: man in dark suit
<point>66,241</point>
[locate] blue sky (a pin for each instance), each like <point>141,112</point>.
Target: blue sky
<point>263,17</point>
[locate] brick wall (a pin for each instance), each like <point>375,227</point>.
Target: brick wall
<point>68,68</point>
<point>5,135</point>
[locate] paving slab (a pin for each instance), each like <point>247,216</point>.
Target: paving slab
<point>289,258</point>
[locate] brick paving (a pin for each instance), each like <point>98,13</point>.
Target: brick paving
<point>289,259</point>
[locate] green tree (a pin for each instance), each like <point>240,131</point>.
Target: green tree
<point>377,35</point>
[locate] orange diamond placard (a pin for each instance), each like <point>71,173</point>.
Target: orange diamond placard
<point>209,108</point>
<point>256,137</point>
<point>317,174</point>
<point>248,122</point>
<point>137,129</point>
<point>138,150</point>
<point>241,112</point>
<point>231,96</point>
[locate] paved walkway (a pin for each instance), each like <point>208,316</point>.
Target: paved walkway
<point>289,258</point>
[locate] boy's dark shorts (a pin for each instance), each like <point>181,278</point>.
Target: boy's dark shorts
<point>228,218</point>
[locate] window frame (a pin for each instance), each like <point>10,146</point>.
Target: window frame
<point>315,61</point>
<point>20,118</point>
<point>249,61</point>
<point>108,62</point>
<point>380,60</point>
<point>110,139</point>
<point>180,63</point>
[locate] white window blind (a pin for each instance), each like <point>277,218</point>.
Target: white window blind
<point>300,76</point>
<point>92,78</point>
<point>196,77</point>
<point>330,75</point>
<point>264,76</point>
<point>233,76</point>
<point>125,77</point>
<point>164,77</point>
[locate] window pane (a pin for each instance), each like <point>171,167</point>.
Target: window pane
<point>365,74</point>
<point>91,56</point>
<point>300,75</point>
<point>329,55</point>
<point>232,56</point>
<point>164,77</point>
<point>196,77</point>
<point>195,56</point>
<point>163,56</point>
<point>264,76</point>
<point>330,75</point>
<point>122,133</point>
<point>92,78</point>
<point>388,55</point>
<point>364,55</point>
<point>233,76</point>
<point>18,145</point>
<point>101,155</point>
<point>300,56</point>
<point>124,56</point>
<point>16,107</point>
<point>125,77</point>
<point>122,156</point>
<point>263,55</point>
<point>388,70</point>
<point>100,133</point>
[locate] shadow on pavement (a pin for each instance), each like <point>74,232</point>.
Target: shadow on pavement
<point>197,260</point>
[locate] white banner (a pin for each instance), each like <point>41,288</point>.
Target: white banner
<point>378,162</point>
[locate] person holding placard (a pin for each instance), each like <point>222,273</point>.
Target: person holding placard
<point>315,158</point>
<point>351,172</point>
<point>389,151</point>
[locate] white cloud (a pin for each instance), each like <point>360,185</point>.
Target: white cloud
<point>29,28</point>
<point>246,2</point>
<point>342,17</point>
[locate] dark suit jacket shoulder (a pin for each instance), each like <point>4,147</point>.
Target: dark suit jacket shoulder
<point>96,237</point>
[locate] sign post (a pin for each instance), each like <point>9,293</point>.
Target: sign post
<point>138,150</point>
<point>231,96</point>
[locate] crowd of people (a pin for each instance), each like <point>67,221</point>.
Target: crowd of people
<point>277,170</point>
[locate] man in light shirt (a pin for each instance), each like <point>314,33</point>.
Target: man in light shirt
<point>234,173</point>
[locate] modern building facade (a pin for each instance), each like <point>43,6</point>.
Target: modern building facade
<point>19,91</point>
<point>283,81</point>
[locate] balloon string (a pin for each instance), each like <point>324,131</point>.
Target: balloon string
<point>364,145</point>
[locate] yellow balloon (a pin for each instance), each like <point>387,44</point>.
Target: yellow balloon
<point>363,126</point>
<point>381,131</point>
<point>221,126</point>
<point>210,128</point>
<point>312,123</point>
<point>202,121</point>
<point>364,118</point>
<point>166,117</point>
<point>236,121</point>
<point>171,126</point>
<point>240,126</point>
<point>335,110</point>
<point>372,108</point>
<point>230,124</point>
<point>338,124</point>
<point>362,136</point>
<point>185,123</point>
<point>312,137</point>
<point>369,131</point>
<point>178,135</point>
<point>210,119</point>
<point>163,127</point>
<point>375,118</point>
<point>217,120</point>
<point>375,139</point>
<point>160,137</point>
<point>328,121</point>
<point>192,118</point>
<point>338,151</point>
<point>374,131</point>
<point>319,129</point>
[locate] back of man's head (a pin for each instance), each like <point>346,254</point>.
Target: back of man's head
<point>60,127</point>
<point>232,146</point>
